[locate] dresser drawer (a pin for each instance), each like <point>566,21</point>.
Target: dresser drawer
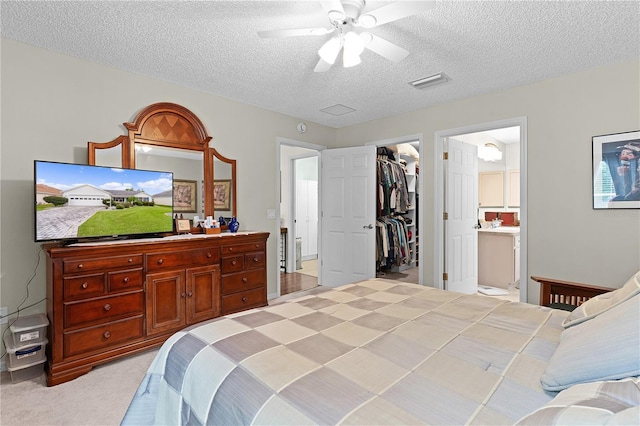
<point>183,258</point>
<point>103,336</point>
<point>100,264</point>
<point>125,280</point>
<point>102,309</point>
<point>83,286</point>
<point>232,263</point>
<point>243,248</point>
<point>244,300</point>
<point>254,260</point>
<point>241,281</point>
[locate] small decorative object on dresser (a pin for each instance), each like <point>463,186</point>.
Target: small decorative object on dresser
<point>183,226</point>
<point>234,225</point>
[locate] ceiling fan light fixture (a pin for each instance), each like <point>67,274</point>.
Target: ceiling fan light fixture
<point>330,50</point>
<point>353,48</point>
<point>429,81</point>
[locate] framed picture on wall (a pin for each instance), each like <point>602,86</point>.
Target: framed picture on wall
<point>616,171</point>
<point>185,196</point>
<point>222,194</point>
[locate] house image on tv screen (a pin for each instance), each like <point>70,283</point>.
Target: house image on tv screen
<point>88,195</point>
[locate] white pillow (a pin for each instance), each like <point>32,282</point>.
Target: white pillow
<point>607,347</point>
<point>598,403</point>
<point>601,303</point>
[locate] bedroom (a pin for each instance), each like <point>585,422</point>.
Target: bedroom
<point>52,104</point>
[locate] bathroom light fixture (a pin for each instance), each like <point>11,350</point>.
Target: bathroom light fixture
<point>489,152</point>
<point>429,81</point>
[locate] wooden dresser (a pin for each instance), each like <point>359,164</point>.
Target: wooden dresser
<point>107,301</point>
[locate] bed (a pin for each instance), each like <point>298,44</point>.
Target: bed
<point>387,352</point>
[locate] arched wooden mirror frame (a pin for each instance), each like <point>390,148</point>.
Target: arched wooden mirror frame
<point>172,126</point>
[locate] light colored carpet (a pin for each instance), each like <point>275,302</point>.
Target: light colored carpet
<point>309,267</point>
<point>100,397</point>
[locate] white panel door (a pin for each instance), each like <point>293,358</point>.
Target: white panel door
<point>461,204</point>
<point>348,197</point>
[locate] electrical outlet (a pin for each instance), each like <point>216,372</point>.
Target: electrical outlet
<point>3,314</point>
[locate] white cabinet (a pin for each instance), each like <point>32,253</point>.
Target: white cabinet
<point>498,257</point>
<point>491,189</point>
<point>513,177</point>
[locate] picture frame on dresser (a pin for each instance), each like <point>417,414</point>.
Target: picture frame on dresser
<point>183,226</point>
<point>616,171</point>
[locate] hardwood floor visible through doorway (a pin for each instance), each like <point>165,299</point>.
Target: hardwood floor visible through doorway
<point>290,283</point>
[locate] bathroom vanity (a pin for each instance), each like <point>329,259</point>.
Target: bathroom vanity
<point>499,256</point>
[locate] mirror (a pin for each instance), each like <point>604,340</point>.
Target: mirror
<point>188,175</point>
<point>109,154</point>
<point>169,137</point>
<point>224,185</point>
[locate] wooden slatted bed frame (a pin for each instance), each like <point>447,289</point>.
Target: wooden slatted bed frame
<point>566,295</point>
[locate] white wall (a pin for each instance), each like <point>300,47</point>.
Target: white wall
<point>52,105</point>
<point>567,238</point>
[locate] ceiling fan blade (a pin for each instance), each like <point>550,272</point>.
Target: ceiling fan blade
<point>384,48</point>
<point>322,66</point>
<point>334,9</point>
<point>393,12</point>
<point>294,32</point>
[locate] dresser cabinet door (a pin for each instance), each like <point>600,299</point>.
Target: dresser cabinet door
<point>165,301</point>
<point>203,293</point>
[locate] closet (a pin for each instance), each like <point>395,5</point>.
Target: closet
<point>397,170</point>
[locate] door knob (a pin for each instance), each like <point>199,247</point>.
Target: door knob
<point>369,226</point>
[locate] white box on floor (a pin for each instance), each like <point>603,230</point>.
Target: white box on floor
<point>32,328</point>
<point>25,355</point>
<point>27,372</point>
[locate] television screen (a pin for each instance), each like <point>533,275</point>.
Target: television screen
<point>75,201</point>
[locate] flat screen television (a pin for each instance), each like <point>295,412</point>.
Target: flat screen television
<point>77,202</point>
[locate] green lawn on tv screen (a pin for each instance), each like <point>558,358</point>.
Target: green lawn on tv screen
<point>134,220</point>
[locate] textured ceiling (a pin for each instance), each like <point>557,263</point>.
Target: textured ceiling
<point>212,46</point>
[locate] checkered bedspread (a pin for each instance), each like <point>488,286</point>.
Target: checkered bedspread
<point>374,352</point>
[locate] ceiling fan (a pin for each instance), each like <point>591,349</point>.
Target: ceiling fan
<point>347,15</point>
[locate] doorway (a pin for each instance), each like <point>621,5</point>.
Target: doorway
<point>440,239</point>
<point>407,152</point>
<point>298,208</point>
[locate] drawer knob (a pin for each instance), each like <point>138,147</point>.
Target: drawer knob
<point>80,266</point>
<point>125,280</point>
<point>106,334</point>
<point>190,294</point>
<point>85,285</point>
<point>255,258</point>
<point>244,280</point>
<point>209,255</point>
<point>230,248</point>
<point>160,261</point>
<point>183,295</point>
<point>107,307</point>
<point>233,262</point>
<point>257,245</point>
<point>244,299</point>
<point>130,260</point>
